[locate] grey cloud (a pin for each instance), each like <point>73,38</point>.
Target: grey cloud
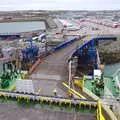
<point>59,4</point>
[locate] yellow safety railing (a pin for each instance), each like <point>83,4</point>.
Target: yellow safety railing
<point>99,112</point>
<point>80,83</point>
<point>23,97</point>
<point>73,91</point>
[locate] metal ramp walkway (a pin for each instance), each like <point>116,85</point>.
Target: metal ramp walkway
<point>54,70</point>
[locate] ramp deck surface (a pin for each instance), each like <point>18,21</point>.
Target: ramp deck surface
<point>54,70</point>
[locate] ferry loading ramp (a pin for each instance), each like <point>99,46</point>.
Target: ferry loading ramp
<point>53,70</point>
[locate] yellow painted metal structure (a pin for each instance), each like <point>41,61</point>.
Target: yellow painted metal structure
<point>109,112</point>
<point>79,83</point>
<point>23,97</point>
<point>73,91</point>
<point>99,112</point>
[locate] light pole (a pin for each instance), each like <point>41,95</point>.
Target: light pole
<point>70,74</point>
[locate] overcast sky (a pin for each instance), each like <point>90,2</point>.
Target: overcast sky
<point>59,5</point>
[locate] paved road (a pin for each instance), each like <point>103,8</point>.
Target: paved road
<point>12,111</point>
<point>87,29</point>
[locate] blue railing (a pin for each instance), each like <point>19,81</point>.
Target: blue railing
<point>92,42</point>
<point>58,47</point>
<point>64,44</point>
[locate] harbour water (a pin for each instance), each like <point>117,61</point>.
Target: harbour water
<point>17,27</point>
